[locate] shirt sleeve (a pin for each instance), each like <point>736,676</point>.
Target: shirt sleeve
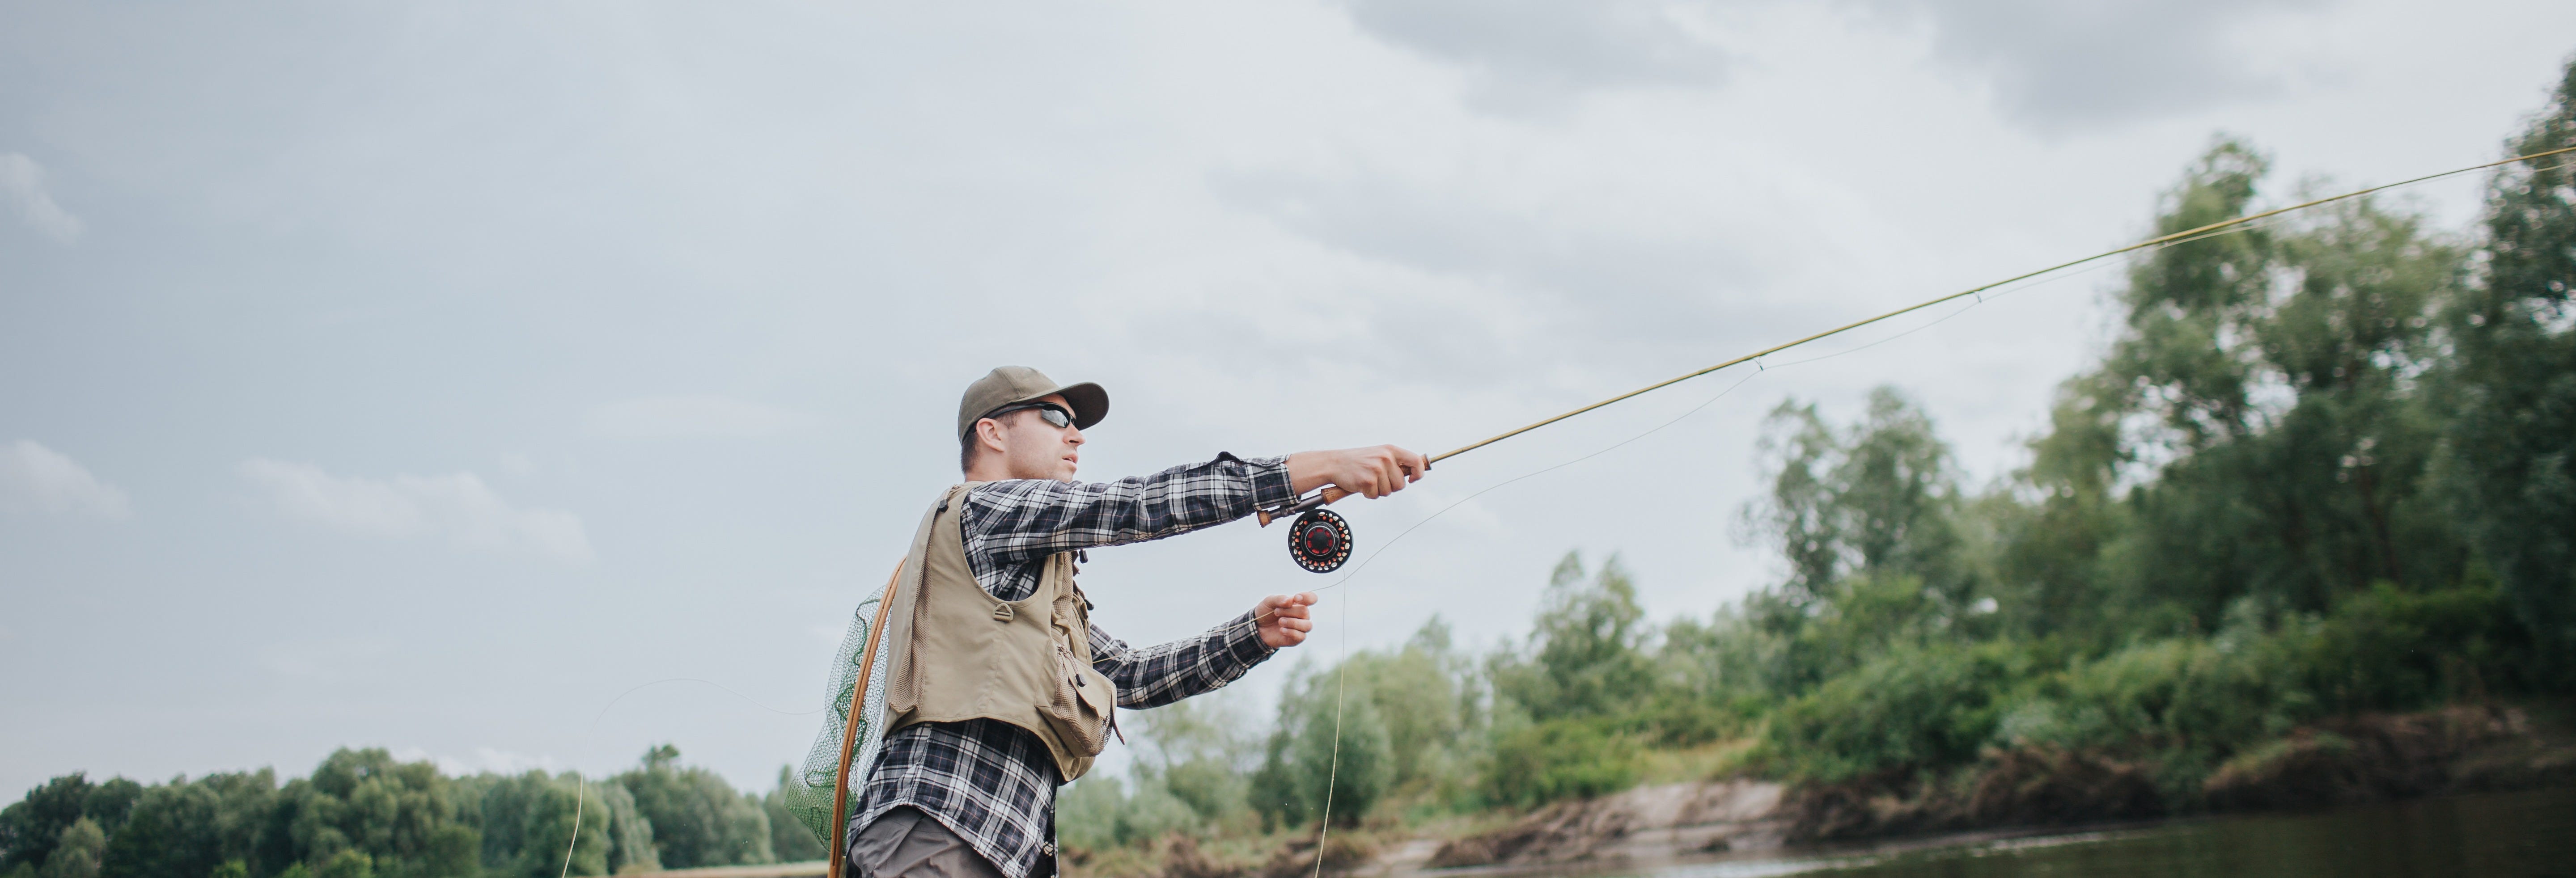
<point>1159,675</point>
<point>1014,522</point>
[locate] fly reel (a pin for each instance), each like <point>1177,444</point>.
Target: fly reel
<point>1319,540</point>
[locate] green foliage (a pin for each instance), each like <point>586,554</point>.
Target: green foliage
<point>189,828</point>
<point>1564,758</point>
<point>1329,749</point>
<point>2393,649</point>
<point>2508,445</point>
<point>351,863</point>
<point>1585,656</point>
<point>527,824</point>
<point>1876,499</point>
<point>361,812</point>
<point>788,838</point>
<point>1911,707</point>
<point>30,828</point>
<point>698,819</point>
<point>77,852</point>
<point>1097,813</point>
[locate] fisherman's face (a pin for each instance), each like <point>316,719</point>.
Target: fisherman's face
<point>1035,449</point>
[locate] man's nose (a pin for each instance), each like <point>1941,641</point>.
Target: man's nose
<point>1073,435</point>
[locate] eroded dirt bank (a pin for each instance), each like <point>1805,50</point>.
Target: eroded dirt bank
<point>2348,761</point>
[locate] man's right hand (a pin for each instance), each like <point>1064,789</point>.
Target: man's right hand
<point>1371,472</point>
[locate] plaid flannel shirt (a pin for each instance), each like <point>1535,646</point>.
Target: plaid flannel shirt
<point>994,783</point>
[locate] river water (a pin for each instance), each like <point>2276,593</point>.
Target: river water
<point>2507,835</point>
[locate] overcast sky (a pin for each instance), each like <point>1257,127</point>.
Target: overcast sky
<point>428,375</point>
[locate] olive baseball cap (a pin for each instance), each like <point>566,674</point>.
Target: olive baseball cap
<point>1009,385</point>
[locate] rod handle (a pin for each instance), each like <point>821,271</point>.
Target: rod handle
<point>1325,496</point>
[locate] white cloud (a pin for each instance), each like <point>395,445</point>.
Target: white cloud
<point>654,417</point>
<point>24,181</point>
<point>483,759</point>
<point>458,506</point>
<point>2048,64</point>
<point>34,478</point>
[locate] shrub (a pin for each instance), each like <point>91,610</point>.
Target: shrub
<point>1913,707</point>
<point>1559,759</point>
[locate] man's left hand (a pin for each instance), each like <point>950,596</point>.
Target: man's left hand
<point>1283,619</point>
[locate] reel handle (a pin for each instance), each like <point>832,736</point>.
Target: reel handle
<point>1327,495</point>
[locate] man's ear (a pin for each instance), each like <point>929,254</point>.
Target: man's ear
<point>988,433</point>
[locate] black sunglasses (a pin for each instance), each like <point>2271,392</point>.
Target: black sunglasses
<point>1055,415</point>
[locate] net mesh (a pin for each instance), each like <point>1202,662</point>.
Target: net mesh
<point>809,791</point>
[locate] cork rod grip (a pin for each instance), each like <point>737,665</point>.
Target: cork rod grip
<point>1328,495</point>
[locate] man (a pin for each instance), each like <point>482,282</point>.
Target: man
<point>1005,690</point>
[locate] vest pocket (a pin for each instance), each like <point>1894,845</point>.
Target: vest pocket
<point>1083,701</point>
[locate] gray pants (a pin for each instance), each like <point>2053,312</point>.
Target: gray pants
<point>906,843</point>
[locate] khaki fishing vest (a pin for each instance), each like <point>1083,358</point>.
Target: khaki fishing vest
<point>963,654</point>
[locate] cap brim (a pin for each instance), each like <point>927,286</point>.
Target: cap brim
<point>1090,403</point>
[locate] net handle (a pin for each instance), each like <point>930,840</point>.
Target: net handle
<point>850,729</point>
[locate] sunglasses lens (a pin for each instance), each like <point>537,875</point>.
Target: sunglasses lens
<point>1056,416</point>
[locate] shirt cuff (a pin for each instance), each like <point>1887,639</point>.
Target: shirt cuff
<point>1243,644</point>
<point>1270,485</point>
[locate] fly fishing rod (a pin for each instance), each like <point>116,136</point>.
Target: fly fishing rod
<point>1320,540</point>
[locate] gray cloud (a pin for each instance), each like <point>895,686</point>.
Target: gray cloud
<point>458,506</point>
<point>24,182</point>
<point>37,479</point>
<point>1534,54</point>
<point>1482,276</point>
<point>2059,65</point>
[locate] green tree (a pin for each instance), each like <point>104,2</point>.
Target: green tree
<point>1586,651</point>
<point>1330,743</point>
<point>2264,406</point>
<point>78,853</point>
<point>189,828</point>
<point>404,816</point>
<point>1875,499</point>
<point>698,819</point>
<point>1197,751</point>
<point>351,863</point>
<point>527,822</point>
<point>2508,455</point>
<point>788,838</point>
<point>30,827</point>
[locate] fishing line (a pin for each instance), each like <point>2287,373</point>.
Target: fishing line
<point>581,782</point>
<point>1408,531</point>
<point>1314,504</point>
<point>2176,237</point>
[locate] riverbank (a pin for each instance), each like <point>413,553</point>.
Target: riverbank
<point>2348,761</point>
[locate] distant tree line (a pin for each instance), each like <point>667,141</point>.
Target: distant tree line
<point>362,813</point>
<point>2327,467</point>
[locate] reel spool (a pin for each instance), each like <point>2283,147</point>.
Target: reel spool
<point>1319,541</point>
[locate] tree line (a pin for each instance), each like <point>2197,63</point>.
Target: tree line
<point>364,814</point>
<point>2326,468</point>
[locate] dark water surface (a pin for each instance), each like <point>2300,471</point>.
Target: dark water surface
<point>2509,835</point>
